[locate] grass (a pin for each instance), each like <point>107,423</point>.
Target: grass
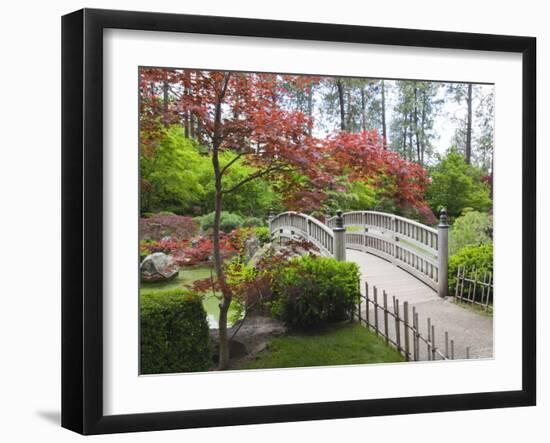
<point>339,345</point>
<point>187,276</point>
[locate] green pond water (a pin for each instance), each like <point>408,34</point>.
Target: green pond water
<point>186,277</point>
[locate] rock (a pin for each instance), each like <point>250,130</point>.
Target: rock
<point>277,247</point>
<point>251,338</point>
<point>251,246</point>
<point>237,349</point>
<point>158,267</point>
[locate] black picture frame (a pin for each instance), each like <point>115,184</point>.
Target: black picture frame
<point>82,215</point>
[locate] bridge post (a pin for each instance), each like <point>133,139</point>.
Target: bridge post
<point>270,217</point>
<point>443,254</point>
<point>339,237</point>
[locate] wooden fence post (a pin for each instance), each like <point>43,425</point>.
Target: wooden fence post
<point>443,254</point>
<point>375,310</point>
<point>429,341</point>
<point>367,304</point>
<point>406,328</point>
<point>339,237</point>
<point>386,334</point>
<point>397,323</point>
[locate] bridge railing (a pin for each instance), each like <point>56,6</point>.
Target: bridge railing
<point>288,224</point>
<point>408,244</point>
<point>418,249</point>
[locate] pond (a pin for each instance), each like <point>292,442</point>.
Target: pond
<point>187,276</point>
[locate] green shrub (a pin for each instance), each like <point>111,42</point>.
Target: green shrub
<point>310,291</point>
<point>480,256</point>
<point>228,221</point>
<point>263,234</point>
<point>252,222</point>
<point>471,228</point>
<point>174,333</point>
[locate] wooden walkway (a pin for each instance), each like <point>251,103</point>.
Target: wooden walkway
<point>465,327</point>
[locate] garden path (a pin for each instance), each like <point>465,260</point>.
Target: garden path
<point>465,327</point>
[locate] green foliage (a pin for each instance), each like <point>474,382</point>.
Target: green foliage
<point>309,291</point>
<point>241,277</point>
<point>172,172</point>
<point>456,186</point>
<point>263,234</point>
<point>251,222</point>
<point>479,256</point>
<point>228,221</point>
<point>356,196</point>
<point>471,228</point>
<point>174,333</point>
<point>254,198</point>
<point>177,177</point>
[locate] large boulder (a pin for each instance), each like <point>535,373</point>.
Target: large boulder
<point>158,267</point>
<point>250,337</point>
<point>250,247</point>
<point>285,248</point>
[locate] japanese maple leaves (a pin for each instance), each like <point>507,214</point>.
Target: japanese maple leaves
<point>361,156</point>
<point>247,114</point>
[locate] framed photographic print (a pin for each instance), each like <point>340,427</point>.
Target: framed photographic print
<point>269,221</point>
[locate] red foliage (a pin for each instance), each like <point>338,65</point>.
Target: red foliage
<point>241,112</point>
<point>364,156</point>
<point>158,226</point>
<point>191,252</point>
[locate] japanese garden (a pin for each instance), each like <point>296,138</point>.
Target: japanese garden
<point>296,220</point>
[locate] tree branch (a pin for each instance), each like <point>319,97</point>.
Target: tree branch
<point>227,166</point>
<point>253,177</point>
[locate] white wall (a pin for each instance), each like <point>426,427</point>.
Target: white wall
<point>30,218</point>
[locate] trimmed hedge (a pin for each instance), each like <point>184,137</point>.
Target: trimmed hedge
<point>480,256</point>
<point>310,291</point>
<point>174,333</point>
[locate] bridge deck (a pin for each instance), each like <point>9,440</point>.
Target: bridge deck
<point>465,327</point>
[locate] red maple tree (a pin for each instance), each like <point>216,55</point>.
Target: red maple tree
<point>245,113</point>
<point>237,112</point>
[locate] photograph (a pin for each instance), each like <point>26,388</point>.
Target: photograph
<point>290,220</point>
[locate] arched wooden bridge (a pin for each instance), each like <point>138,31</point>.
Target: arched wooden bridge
<point>406,248</point>
<point>405,258</point>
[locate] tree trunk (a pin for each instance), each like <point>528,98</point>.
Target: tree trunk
<point>186,119</point>
<point>165,117</point>
<point>384,133</point>
<point>468,149</point>
<point>404,145</point>
<point>218,264</point>
<point>349,113</point>
<point>416,134</point>
<point>340,87</point>
<point>411,136</point>
<point>423,127</point>
<point>363,110</point>
<point>310,108</point>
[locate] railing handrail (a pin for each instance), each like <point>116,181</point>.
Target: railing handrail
<point>417,248</point>
<point>307,217</point>
<point>387,214</point>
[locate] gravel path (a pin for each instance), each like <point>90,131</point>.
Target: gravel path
<point>464,326</point>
